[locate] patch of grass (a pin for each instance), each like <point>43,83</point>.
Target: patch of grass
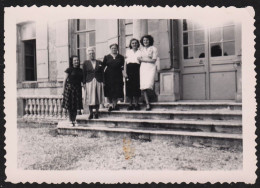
<point>41,148</point>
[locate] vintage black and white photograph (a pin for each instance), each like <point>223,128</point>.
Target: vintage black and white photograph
<point>129,93</point>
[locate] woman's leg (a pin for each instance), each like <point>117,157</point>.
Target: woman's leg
<point>110,101</point>
<point>148,106</point>
<point>90,112</point>
<point>97,111</point>
<point>70,115</point>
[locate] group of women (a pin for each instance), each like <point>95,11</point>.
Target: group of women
<point>105,79</point>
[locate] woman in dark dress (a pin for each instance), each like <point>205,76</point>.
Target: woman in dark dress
<point>72,90</point>
<point>113,64</point>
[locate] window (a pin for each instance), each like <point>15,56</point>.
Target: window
<point>222,40</point>
<point>30,60</point>
<point>193,40</point>
<point>86,36</point>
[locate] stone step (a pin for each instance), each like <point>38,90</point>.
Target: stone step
<point>189,106</point>
<point>178,136</point>
<point>232,127</point>
<point>175,114</point>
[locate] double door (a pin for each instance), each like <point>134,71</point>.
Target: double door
<point>209,55</point>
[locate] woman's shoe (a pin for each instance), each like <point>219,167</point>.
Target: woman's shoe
<point>137,107</point>
<point>110,108</point>
<point>148,107</point>
<point>116,108</point>
<point>90,116</point>
<point>130,107</point>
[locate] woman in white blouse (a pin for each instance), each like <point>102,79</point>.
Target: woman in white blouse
<point>132,70</point>
<point>148,58</point>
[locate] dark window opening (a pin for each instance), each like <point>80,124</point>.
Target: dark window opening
<point>30,60</point>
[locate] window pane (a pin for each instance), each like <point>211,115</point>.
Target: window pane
<point>215,34</point>
<point>29,48</point>
<point>229,48</point>
<point>188,52</point>
<point>29,75</point>
<point>92,39</point>
<point>199,51</point>
<point>129,29</point>
<point>81,24</point>
<point>188,38</point>
<point>29,62</point>
<point>82,55</point>
<point>199,36</point>
<point>229,33</point>
<point>82,40</point>
<point>187,25</point>
<point>216,50</point>
<point>90,25</point>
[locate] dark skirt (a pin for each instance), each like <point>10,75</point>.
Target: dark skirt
<point>133,82</point>
<point>72,99</point>
<point>113,83</point>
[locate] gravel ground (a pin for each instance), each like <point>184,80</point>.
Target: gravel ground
<point>40,148</point>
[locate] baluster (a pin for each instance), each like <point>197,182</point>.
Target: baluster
<point>34,108</point>
<point>50,108</point>
<point>38,108</point>
<point>26,110</point>
<point>42,107</point>
<point>60,108</point>
<point>46,101</point>
<point>31,108</point>
<point>55,110</point>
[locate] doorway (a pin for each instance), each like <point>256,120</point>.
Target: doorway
<point>208,55</point>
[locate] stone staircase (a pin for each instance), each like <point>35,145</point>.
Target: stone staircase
<point>187,121</point>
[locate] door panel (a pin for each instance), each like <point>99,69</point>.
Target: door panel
<point>194,86</point>
<point>194,60</point>
<point>222,85</point>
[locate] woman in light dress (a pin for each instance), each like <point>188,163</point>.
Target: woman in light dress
<point>132,70</point>
<point>148,59</point>
<point>93,83</point>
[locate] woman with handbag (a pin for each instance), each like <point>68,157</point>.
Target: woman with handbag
<point>93,83</point>
<point>149,55</point>
<point>72,90</point>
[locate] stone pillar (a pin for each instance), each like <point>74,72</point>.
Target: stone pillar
<point>140,28</point>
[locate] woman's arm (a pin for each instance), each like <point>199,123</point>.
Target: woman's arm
<point>147,60</point>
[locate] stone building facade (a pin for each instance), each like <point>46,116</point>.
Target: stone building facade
<point>198,61</point>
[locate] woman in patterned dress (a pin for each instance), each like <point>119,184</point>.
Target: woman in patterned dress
<point>93,83</point>
<point>148,58</point>
<point>72,90</point>
<point>132,69</point>
<point>113,64</point>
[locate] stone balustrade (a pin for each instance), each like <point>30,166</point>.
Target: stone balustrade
<point>45,107</point>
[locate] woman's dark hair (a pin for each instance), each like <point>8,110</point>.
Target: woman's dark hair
<point>115,44</point>
<point>71,60</point>
<point>149,37</point>
<point>138,43</point>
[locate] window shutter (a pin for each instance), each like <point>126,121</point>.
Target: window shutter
<point>42,51</point>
